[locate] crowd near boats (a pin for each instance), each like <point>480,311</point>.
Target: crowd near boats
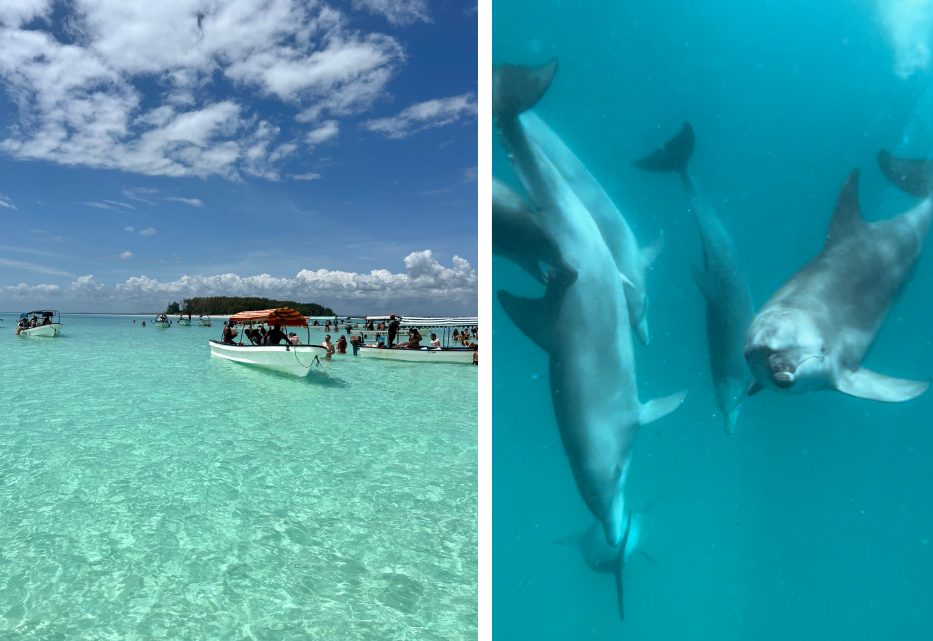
<point>259,337</point>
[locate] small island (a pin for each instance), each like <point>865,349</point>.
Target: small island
<point>228,305</point>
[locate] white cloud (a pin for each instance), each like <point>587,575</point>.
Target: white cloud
<point>308,176</point>
<point>113,202</point>
<point>6,202</point>
<point>125,255</point>
<point>398,12</point>
<point>77,101</point>
<point>148,231</point>
<point>470,174</point>
<point>328,130</point>
<point>129,229</point>
<point>194,202</point>
<point>32,267</point>
<point>103,205</point>
<point>425,115</point>
<point>426,284</point>
<point>140,194</point>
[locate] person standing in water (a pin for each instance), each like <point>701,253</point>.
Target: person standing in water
<point>393,330</point>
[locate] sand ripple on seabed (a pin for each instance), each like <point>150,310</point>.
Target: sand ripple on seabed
<point>140,505</point>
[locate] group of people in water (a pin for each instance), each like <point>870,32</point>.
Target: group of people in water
<point>29,323</point>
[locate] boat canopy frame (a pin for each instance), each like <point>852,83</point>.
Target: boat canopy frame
<point>45,313</point>
<point>285,316</point>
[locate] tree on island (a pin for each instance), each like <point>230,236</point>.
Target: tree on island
<point>224,305</point>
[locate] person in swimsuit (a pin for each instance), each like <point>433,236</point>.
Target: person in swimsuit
<point>341,345</point>
<point>435,342</point>
<point>328,346</point>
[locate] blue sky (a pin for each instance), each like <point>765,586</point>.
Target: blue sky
<point>323,152</point>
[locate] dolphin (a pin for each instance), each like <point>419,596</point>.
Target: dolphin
<point>631,260</point>
<point>517,235</point>
<point>603,558</point>
<point>729,308</point>
<point>814,331</point>
<point>593,385</point>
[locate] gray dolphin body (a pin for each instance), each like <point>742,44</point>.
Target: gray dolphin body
<point>517,235</point>
<point>631,259</point>
<point>814,331</point>
<point>593,385</point>
<point>729,308</point>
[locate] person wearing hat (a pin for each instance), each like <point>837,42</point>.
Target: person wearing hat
<point>393,330</point>
<point>328,346</point>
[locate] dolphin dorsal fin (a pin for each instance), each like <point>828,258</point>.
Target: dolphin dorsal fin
<point>847,218</point>
<point>912,176</point>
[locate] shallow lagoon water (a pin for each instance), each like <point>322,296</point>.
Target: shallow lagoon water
<point>148,490</point>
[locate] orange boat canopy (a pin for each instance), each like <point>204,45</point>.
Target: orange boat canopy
<point>283,315</point>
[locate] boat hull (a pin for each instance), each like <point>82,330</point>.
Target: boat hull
<point>160,324</point>
<point>423,355</point>
<point>204,324</point>
<point>184,323</point>
<point>43,330</point>
<point>297,360</point>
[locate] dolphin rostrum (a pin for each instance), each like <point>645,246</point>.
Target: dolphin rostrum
<point>815,330</point>
<point>603,558</point>
<point>517,235</point>
<point>593,385</point>
<point>729,308</point>
<point>631,260</point>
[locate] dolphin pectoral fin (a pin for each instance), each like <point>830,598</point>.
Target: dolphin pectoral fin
<point>732,417</point>
<point>913,176</point>
<point>518,88</point>
<point>660,407</point>
<point>755,388</point>
<point>641,330</point>
<point>701,278</point>
<point>626,281</point>
<point>650,253</point>
<point>873,386</point>
<point>531,316</point>
<point>673,156</point>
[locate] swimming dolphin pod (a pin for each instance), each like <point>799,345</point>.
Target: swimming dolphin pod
<point>593,385</point>
<point>729,308</point>
<point>631,259</point>
<point>815,330</point>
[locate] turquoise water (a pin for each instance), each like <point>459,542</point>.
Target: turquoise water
<point>148,490</point>
<point>814,519</point>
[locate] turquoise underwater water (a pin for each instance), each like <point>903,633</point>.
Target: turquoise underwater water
<point>814,520</point>
<point>148,490</point>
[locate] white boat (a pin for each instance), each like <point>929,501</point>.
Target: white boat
<point>161,321</point>
<point>184,322</point>
<point>296,360</point>
<point>204,320</point>
<point>50,325</point>
<point>424,354</point>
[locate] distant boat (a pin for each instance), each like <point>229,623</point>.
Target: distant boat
<point>161,321</point>
<point>289,358</point>
<point>50,325</point>
<point>204,320</point>
<point>184,321</point>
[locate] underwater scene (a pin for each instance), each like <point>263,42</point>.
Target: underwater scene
<point>711,416</point>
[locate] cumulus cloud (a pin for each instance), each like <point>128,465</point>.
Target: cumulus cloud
<point>6,202</point>
<point>397,12</point>
<point>125,255</point>
<point>148,231</point>
<point>325,132</point>
<point>194,202</point>
<point>308,176</point>
<point>425,115</point>
<point>425,285</point>
<point>77,98</point>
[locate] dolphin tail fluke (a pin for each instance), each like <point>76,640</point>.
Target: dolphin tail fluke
<point>872,386</point>
<point>912,176</point>
<point>660,407</point>
<point>673,156</point>
<point>518,88</point>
